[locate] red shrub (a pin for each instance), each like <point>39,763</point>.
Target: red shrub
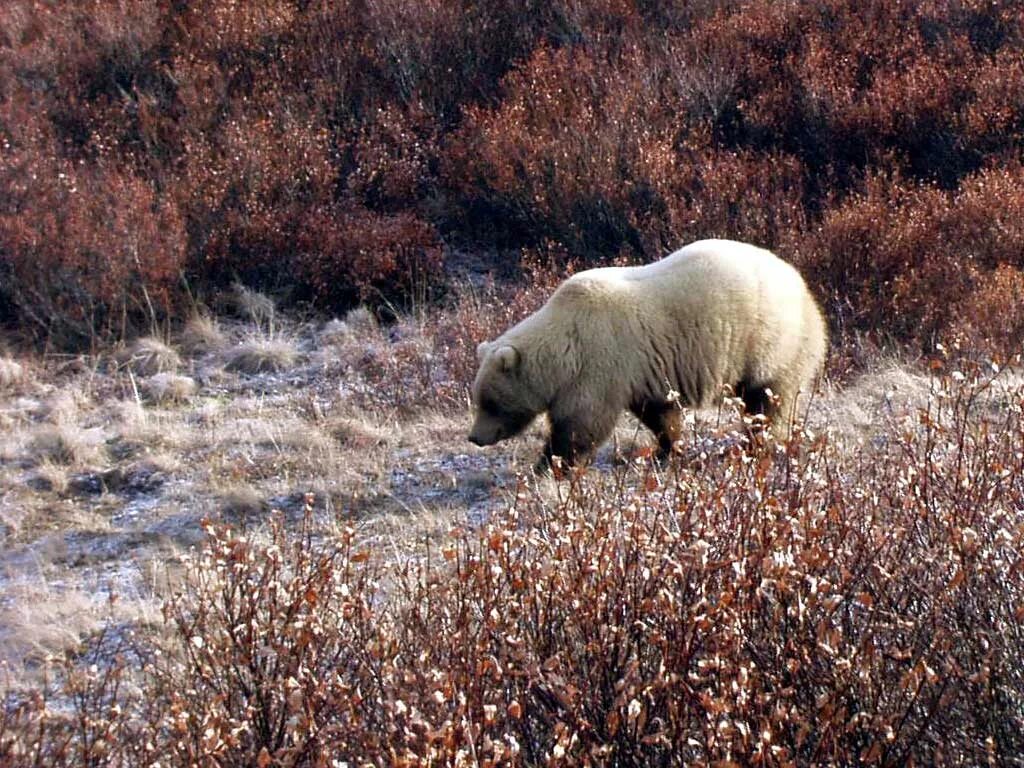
<point>350,253</point>
<point>619,129</point>
<point>248,190</point>
<point>995,117</point>
<point>902,257</point>
<point>391,159</point>
<point>85,248</point>
<point>993,313</point>
<point>740,195</point>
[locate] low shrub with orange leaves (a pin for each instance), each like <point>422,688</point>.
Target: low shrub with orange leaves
<point>806,604</point>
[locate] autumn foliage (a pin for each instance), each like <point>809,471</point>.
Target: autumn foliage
<point>335,151</point>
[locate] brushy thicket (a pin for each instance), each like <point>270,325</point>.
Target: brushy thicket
<point>334,149</point>
<point>801,605</point>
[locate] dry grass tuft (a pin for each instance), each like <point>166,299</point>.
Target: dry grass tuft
<point>359,432</point>
<point>148,356</point>
<point>202,334</point>
<point>66,444</point>
<point>51,476</point>
<point>66,406</point>
<point>44,621</point>
<point>262,354</point>
<point>890,393</point>
<point>358,340</point>
<point>170,388</point>
<point>362,321</point>
<point>336,333</point>
<point>151,430</point>
<point>11,372</point>
<point>243,503</point>
<point>257,306</point>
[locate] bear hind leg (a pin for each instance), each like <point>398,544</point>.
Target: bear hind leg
<point>756,401</point>
<point>774,407</point>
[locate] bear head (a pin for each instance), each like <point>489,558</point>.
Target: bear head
<point>502,397</point>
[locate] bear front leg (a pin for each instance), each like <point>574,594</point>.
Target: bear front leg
<point>573,443</point>
<point>559,444</point>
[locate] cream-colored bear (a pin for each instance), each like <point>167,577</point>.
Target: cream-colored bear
<point>649,339</point>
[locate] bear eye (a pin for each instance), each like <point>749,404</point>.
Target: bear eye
<point>491,407</point>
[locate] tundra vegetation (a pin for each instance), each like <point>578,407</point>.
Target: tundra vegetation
<point>236,532</point>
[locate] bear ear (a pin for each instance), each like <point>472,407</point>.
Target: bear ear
<point>481,350</point>
<point>508,357</point>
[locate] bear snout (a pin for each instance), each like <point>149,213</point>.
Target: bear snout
<point>484,434</point>
<point>477,439</point>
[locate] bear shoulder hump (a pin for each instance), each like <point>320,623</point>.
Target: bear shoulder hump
<point>592,285</point>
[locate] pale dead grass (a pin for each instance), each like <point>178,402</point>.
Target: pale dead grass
<point>890,394</point>
<point>156,430</point>
<point>242,503</point>
<point>66,444</point>
<point>262,354</point>
<point>11,372</point>
<point>148,356</point>
<point>359,432</point>
<point>433,431</point>
<point>202,334</point>
<point>22,410</point>
<point>257,306</point>
<point>336,333</point>
<point>67,406</point>
<point>53,476</point>
<point>278,450</point>
<point>39,621</point>
<point>43,518</point>
<point>170,388</point>
<point>165,462</point>
<point>362,322</point>
<point>291,433</point>
<point>351,339</point>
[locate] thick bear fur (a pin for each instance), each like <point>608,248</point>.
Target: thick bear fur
<point>715,312</point>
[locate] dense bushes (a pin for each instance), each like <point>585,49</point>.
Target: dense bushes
<point>286,143</point>
<point>914,261</point>
<point>807,605</point>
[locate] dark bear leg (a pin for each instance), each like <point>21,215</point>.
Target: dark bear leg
<point>572,443</point>
<point>775,408</point>
<point>559,444</point>
<point>755,399</point>
<point>664,420</point>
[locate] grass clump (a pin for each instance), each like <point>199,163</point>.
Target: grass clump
<point>242,504</point>
<point>362,322</point>
<point>262,354</point>
<point>65,445</point>
<point>336,333</point>
<point>11,372</point>
<point>50,476</point>
<point>202,334</point>
<point>254,305</point>
<point>170,388</point>
<point>148,356</point>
